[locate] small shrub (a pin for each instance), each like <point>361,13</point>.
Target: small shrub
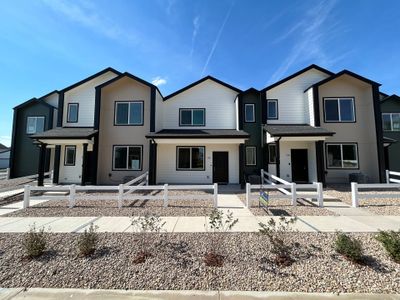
<point>281,249</point>
<point>218,225</point>
<point>391,242</point>
<point>349,247</point>
<point>34,242</point>
<point>87,242</point>
<point>143,226</point>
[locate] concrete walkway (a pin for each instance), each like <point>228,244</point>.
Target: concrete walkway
<point>89,294</point>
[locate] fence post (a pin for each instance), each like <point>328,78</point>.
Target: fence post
<point>27,194</point>
<point>120,195</point>
<point>294,194</point>
<point>387,176</point>
<point>147,178</point>
<point>72,195</point>
<point>354,194</point>
<point>166,195</point>
<point>8,173</point>
<point>248,194</point>
<point>320,193</point>
<point>51,176</point>
<point>215,194</point>
<point>262,176</point>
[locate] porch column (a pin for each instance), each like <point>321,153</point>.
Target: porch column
<point>242,178</point>
<point>42,158</point>
<point>278,158</point>
<point>153,163</point>
<point>56,167</point>
<point>319,150</point>
<point>84,164</point>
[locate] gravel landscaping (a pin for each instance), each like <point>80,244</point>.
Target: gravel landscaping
<point>379,206</point>
<point>55,208</point>
<point>177,263</point>
<point>16,182</point>
<point>279,207</point>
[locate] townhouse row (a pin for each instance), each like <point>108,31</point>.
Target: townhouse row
<point>314,125</point>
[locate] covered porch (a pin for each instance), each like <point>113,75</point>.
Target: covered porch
<point>74,156</point>
<point>295,152</point>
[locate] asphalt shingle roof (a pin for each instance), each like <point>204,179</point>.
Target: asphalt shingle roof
<point>297,130</point>
<point>199,133</point>
<point>65,133</point>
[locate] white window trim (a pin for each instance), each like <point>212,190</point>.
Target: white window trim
<point>253,113</point>
<point>129,113</point>
<point>36,118</point>
<point>190,158</point>
<point>191,117</point>
<point>339,113</point>
<point>275,101</point>
<point>255,156</point>
<point>341,156</point>
<point>391,121</point>
<point>127,157</point>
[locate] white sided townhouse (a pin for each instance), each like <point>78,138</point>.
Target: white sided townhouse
<point>312,126</point>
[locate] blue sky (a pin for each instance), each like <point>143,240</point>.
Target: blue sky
<point>49,44</point>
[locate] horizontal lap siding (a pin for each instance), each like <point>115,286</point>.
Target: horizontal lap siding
<point>293,106</point>
<point>166,165</point>
<point>85,96</point>
<point>218,100</point>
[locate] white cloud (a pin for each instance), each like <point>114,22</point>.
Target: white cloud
<point>5,140</point>
<point>196,26</point>
<point>157,81</point>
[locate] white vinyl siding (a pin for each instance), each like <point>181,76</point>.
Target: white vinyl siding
<point>71,174</point>
<point>293,103</point>
<point>84,95</point>
<point>216,99</point>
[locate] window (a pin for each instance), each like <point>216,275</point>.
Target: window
<point>127,158</point>
<point>342,156</point>
<point>72,113</point>
<point>272,153</point>
<point>129,113</point>
<point>190,158</point>
<point>192,117</point>
<point>391,121</point>
<point>249,113</point>
<point>339,110</point>
<point>251,156</point>
<point>69,155</point>
<point>272,109</point>
<point>34,125</point>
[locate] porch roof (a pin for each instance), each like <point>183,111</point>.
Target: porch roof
<point>66,133</point>
<point>199,134</point>
<point>296,130</point>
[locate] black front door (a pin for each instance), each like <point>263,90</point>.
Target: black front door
<point>299,165</point>
<point>220,167</point>
<point>89,168</point>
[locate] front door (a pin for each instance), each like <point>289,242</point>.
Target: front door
<point>220,167</point>
<point>299,165</point>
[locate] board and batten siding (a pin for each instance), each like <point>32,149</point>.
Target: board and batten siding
<point>166,165</point>
<point>71,174</point>
<point>293,106</point>
<point>218,100</point>
<point>84,94</point>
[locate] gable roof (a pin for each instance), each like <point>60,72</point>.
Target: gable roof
<point>33,101</point>
<point>2,147</point>
<point>391,97</point>
<point>48,94</point>
<point>344,72</point>
<point>200,81</point>
<point>250,90</point>
<point>90,78</point>
<point>310,67</point>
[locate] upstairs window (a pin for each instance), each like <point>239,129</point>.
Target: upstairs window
<point>342,156</point>
<point>69,155</point>
<point>272,109</point>
<point>34,125</point>
<point>190,158</point>
<point>72,113</point>
<point>339,110</point>
<point>251,154</point>
<point>391,121</point>
<point>249,113</point>
<point>272,153</point>
<point>129,113</point>
<point>128,158</point>
<point>192,117</point>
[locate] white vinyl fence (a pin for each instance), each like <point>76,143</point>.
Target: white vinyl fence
<point>392,177</point>
<point>357,191</point>
<point>5,174</point>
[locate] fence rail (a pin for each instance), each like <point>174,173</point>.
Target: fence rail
<point>357,194</point>
<point>120,193</point>
<point>389,177</point>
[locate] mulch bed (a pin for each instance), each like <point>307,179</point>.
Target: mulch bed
<point>178,263</point>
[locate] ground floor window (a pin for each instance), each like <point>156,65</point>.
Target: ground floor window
<point>272,153</point>
<point>342,156</point>
<point>190,158</point>
<point>127,158</point>
<point>251,156</point>
<point>69,155</point>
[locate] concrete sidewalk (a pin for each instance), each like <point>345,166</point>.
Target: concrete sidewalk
<point>198,224</point>
<point>89,294</point>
